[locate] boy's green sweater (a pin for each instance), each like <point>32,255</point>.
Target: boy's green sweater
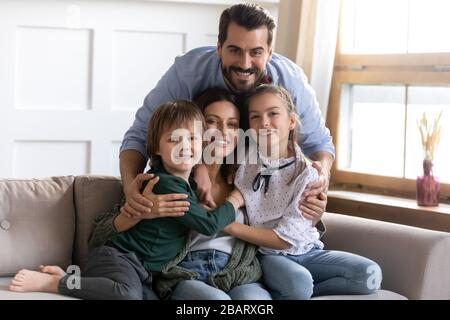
<point>158,241</point>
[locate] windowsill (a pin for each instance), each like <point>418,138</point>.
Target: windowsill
<point>388,208</point>
<point>387,201</point>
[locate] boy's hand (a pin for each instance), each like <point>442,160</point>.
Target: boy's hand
<point>204,186</point>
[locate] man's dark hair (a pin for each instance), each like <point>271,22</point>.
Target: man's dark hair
<point>248,15</point>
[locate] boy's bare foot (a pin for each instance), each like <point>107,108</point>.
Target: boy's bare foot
<point>55,270</point>
<point>34,281</point>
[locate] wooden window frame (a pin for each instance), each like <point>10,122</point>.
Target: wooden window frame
<point>429,69</point>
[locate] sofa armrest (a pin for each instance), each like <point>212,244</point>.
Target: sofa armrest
<point>415,262</point>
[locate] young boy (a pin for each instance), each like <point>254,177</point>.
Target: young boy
<point>123,268</point>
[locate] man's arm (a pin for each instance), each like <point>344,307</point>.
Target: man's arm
<point>326,160</point>
<point>314,135</point>
<point>132,163</point>
<point>316,142</point>
<point>323,163</point>
<point>133,149</point>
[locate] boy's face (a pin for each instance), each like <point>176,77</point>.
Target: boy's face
<point>181,148</point>
<point>270,119</point>
<point>244,56</point>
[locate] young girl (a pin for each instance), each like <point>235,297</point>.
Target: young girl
<point>295,266</point>
<point>124,267</point>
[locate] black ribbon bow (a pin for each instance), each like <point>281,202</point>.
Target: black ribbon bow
<point>264,176</point>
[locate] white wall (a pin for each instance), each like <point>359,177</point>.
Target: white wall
<point>73,73</point>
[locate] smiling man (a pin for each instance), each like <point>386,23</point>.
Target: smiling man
<point>244,53</point>
<point>242,60</point>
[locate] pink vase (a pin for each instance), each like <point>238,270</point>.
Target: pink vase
<point>427,186</point>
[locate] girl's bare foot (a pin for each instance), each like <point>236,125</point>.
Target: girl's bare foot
<point>34,281</point>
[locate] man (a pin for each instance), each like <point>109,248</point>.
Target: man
<point>243,59</point>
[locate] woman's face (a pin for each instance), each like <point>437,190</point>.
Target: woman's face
<point>222,120</point>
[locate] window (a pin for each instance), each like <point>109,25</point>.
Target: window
<point>392,65</point>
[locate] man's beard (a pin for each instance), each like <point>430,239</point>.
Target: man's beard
<point>227,72</point>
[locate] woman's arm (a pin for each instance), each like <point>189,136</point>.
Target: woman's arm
<point>258,236</point>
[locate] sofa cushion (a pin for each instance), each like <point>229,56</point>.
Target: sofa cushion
<point>94,195</point>
<point>414,261</point>
<point>377,295</point>
<point>37,223</point>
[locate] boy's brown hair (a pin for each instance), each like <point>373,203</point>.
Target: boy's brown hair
<point>178,113</point>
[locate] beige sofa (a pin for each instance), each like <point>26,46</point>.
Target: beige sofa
<point>48,221</point>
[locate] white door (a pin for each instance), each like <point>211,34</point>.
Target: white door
<point>73,73</point>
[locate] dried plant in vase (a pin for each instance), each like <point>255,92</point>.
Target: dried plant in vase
<point>428,185</point>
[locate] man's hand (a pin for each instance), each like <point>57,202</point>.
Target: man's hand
<point>136,204</point>
<point>314,202</point>
<point>204,186</point>
<point>164,205</point>
<point>320,185</point>
<point>313,207</point>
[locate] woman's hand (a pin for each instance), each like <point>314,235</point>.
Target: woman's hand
<point>163,205</point>
<point>204,186</point>
<point>236,199</point>
<point>314,207</point>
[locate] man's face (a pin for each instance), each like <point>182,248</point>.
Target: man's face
<point>244,56</point>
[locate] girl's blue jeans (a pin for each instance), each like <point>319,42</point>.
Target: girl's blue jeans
<point>319,272</point>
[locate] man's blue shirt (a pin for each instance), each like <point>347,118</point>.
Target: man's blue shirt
<point>200,69</point>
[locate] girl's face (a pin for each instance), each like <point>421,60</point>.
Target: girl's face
<point>222,121</point>
<point>181,148</point>
<point>269,117</point>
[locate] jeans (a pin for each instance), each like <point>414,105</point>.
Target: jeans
<point>319,272</point>
<point>207,263</point>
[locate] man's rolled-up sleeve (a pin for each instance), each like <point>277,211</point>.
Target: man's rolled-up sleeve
<point>314,135</point>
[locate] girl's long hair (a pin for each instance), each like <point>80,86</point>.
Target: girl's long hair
<point>294,134</point>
